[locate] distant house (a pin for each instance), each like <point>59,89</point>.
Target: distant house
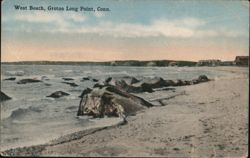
<point>227,63</point>
<point>242,60</point>
<point>212,62</point>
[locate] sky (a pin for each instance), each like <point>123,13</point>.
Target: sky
<point>131,30</point>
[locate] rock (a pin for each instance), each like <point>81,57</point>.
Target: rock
<point>107,80</point>
<point>110,101</point>
<point>28,80</point>
<point>130,80</point>
<point>195,81</point>
<point>67,79</point>
<point>94,80</point>
<point>203,78</point>
<point>179,83</point>
<point>156,82</point>
<point>10,79</point>
<point>99,85</point>
<point>72,84</point>
<point>85,79</point>
<point>58,94</point>
<point>170,83</point>
<point>3,96</point>
<point>85,91</point>
<point>133,88</point>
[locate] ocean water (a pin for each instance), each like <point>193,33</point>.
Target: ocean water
<point>31,118</point>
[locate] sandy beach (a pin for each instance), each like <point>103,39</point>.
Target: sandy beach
<point>204,120</point>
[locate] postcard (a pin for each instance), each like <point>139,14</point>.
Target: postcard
<point>124,78</point>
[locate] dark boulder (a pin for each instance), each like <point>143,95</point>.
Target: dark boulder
<point>203,78</point>
<point>3,96</point>
<point>94,80</point>
<point>28,80</point>
<point>72,84</point>
<point>58,94</point>
<point>86,78</point>
<point>67,79</point>
<point>10,79</point>
<point>110,101</point>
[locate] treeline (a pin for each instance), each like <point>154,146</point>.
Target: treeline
<point>109,63</point>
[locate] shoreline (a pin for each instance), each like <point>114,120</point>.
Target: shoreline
<point>196,124</point>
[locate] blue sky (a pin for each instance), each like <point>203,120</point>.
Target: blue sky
<point>132,29</point>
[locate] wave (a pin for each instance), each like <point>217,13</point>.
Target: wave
<point>14,73</point>
<point>22,112</point>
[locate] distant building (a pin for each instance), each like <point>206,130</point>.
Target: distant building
<point>227,63</point>
<point>212,62</point>
<point>242,60</point>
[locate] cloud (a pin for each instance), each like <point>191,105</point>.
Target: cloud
<point>180,28</point>
<point>45,17</point>
<point>177,28</point>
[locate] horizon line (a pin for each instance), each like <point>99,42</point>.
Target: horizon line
<point>109,60</point>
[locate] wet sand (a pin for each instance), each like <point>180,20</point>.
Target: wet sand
<point>205,120</point>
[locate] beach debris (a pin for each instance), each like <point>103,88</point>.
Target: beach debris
<point>4,97</point>
<point>58,94</point>
<point>10,79</point>
<point>110,101</point>
<point>72,84</point>
<point>28,80</point>
<point>67,79</point>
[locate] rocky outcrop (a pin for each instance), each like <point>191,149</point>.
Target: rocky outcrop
<point>28,80</point>
<point>110,101</point>
<point>3,96</point>
<point>133,85</point>
<point>113,97</point>
<point>58,94</point>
